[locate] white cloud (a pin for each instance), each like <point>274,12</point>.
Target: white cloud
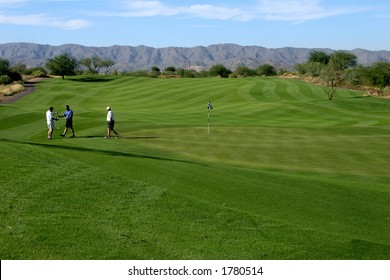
<point>383,16</point>
<point>148,8</point>
<point>276,10</point>
<point>12,3</point>
<point>300,10</point>
<point>43,20</point>
<point>73,24</point>
<point>213,12</point>
<point>281,10</point>
<point>8,16</point>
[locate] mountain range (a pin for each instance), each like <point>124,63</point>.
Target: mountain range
<point>128,58</point>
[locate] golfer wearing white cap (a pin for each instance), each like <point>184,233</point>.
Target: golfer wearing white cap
<point>110,123</point>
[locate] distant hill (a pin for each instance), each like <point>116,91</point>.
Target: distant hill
<point>200,57</point>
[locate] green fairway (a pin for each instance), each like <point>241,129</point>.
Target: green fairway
<point>283,174</point>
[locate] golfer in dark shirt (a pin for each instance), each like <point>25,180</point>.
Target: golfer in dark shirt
<point>68,121</point>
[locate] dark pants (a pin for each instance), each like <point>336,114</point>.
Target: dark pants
<point>111,124</point>
<point>69,124</point>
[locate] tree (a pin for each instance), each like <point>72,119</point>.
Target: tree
<point>154,72</point>
<point>219,70</point>
<point>62,65</point>
<point>95,63</point>
<point>4,71</point>
<point>7,75</point>
<point>334,73</point>
<point>301,68</point>
<point>36,71</point>
<point>379,74</point>
<point>18,68</point>
<point>333,80</point>
<point>314,68</point>
<point>266,70</point>
<point>342,60</point>
<point>171,69</point>
<point>356,76</point>
<point>5,80</point>
<point>310,68</point>
<point>319,56</point>
<point>184,73</point>
<point>4,67</point>
<point>244,71</point>
<point>107,64</point>
<point>88,63</point>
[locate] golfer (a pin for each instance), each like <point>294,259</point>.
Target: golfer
<point>110,123</point>
<point>69,121</point>
<point>50,122</point>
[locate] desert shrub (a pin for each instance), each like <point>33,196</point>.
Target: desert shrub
<point>8,90</point>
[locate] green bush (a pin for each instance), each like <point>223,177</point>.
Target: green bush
<point>5,80</point>
<point>15,76</point>
<point>38,73</point>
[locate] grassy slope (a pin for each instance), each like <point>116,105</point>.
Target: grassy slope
<point>284,174</point>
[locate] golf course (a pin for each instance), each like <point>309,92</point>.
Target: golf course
<point>275,171</point>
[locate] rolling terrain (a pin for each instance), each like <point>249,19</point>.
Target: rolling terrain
<point>129,58</point>
<point>283,174</point>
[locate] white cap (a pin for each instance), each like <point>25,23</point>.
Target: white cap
<point>108,108</point>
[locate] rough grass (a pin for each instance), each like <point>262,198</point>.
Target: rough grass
<point>9,90</point>
<point>284,173</point>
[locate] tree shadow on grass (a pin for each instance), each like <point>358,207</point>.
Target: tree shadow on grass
<point>80,137</point>
<point>121,137</point>
<point>91,79</point>
<point>97,151</point>
<point>140,137</point>
<point>361,96</point>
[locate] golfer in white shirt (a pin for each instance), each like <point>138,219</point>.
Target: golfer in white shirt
<point>110,123</point>
<point>50,122</point>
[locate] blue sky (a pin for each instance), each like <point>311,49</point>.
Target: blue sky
<point>335,24</point>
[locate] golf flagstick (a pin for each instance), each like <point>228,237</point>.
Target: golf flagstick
<point>208,122</point>
<point>209,107</point>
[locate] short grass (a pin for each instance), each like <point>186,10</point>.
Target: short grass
<point>283,174</point>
